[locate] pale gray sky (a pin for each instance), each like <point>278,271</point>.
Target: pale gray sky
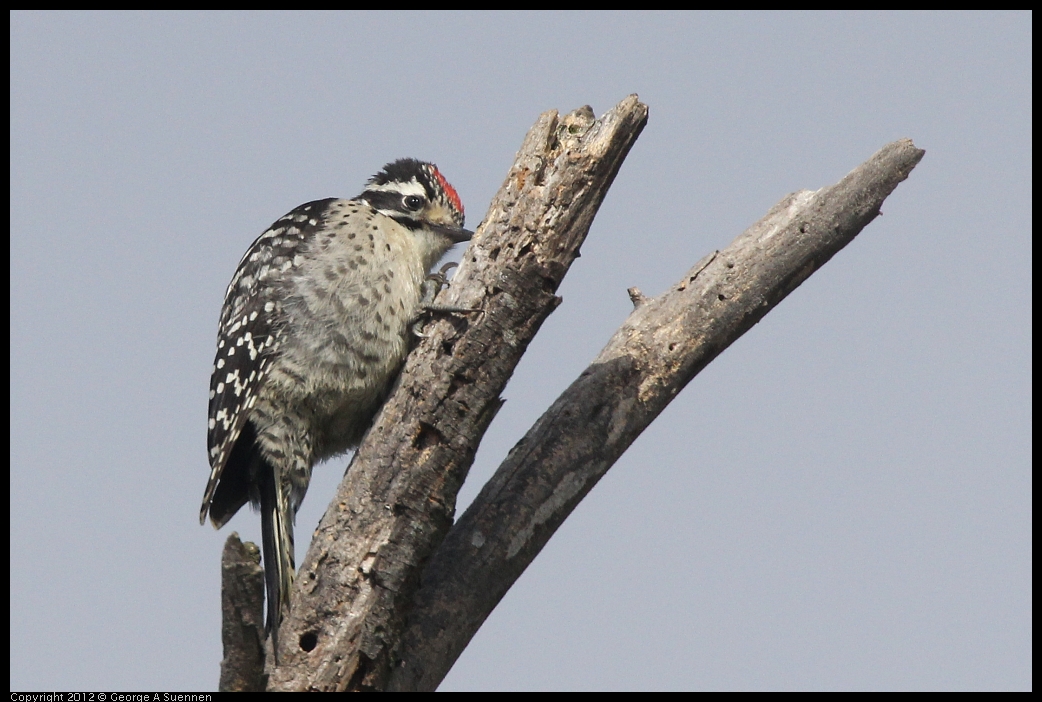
<point>841,501</point>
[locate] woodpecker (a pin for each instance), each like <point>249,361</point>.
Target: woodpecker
<point>313,331</point>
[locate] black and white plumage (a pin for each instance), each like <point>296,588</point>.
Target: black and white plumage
<point>313,331</point>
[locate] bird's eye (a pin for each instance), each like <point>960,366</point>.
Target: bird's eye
<point>412,202</point>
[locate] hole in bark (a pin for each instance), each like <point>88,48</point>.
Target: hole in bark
<point>428,436</point>
<point>308,641</point>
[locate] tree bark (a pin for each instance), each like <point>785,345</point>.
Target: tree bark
<point>242,618</point>
<point>356,585</point>
<point>662,345</point>
<point>362,618</point>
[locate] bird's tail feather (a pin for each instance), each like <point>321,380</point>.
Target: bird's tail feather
<point>277,538</point>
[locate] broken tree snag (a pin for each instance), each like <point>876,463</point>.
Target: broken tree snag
<point>242,617</point>
<point>658,349</point>
<point>396,502</point>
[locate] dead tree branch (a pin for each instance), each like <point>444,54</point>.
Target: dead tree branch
<point>663,345</point>
<point>242,617</point>
<point>362,617</point>
<point>356,585</point>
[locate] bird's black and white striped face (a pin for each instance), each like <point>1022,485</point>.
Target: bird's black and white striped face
<point>416,195</point>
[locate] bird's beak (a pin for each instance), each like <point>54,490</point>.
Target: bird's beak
<point>457,234</point>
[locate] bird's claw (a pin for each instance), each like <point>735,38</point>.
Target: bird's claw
<point>433,285</point>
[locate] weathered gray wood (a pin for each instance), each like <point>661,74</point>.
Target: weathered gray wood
<point>242,617</point>
<point>356,585</point>
<point>665,342</point>
<point>358,621</point>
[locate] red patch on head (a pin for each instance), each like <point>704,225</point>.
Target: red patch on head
<point>450,192</point>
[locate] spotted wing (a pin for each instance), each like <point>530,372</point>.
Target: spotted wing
<point>248,340</point>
